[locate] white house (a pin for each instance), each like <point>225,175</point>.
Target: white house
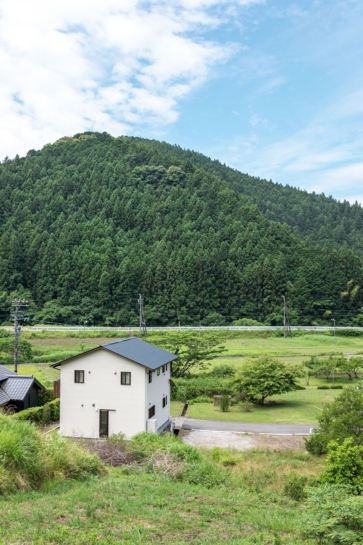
<point>123,386</point>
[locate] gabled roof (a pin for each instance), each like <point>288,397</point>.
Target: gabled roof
<point>5,373</point>
<point>141,352</point>
<point>15,387</point>
<point>133,349</point>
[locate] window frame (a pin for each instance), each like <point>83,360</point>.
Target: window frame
<point>152,409</point>
<point>158,371</point>
<point>150,376</point>
<point>165,401</point>
<point>75,376</point>
<point>125,374</point>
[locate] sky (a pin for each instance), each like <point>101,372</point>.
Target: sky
<point>271,87</point>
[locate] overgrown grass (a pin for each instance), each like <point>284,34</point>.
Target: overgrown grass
<point>29,458</point>
<point>142,504</point>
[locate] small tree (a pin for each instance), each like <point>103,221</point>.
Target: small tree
<point>351,367</point>
<point>265,377</point>
<point>340,419</point>
<point>194,351</point>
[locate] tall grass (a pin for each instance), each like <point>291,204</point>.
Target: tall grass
<point>28,458</point>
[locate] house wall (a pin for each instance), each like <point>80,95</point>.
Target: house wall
<point>155,391</point>
<point>32,397</point>
<point>102,387</point>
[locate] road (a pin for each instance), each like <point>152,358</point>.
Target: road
<point>247,427</point>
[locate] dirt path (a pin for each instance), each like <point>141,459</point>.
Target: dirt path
<point>242,441</point>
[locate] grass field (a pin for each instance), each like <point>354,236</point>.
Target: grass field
<point>295,407</point>
<point>143,509</point>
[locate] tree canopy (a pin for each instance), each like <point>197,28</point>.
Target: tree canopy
<point>264,377</point>
<point>88,223</point>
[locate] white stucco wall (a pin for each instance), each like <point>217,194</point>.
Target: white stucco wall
<point>102,387</point>
<point>155,391</point>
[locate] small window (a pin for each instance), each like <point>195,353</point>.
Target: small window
<point>163,368</point>
<point>158,371</point>
<point>126,378</point>
<point>79,377</point>
<point>165,401</point>
<point>166,367</point>
<point>150,376</point>
<point>152,411</point>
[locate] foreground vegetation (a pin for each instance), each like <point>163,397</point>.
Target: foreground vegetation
<point>169,494</point>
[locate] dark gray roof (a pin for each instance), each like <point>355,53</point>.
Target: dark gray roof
<point>17,387</point>
<point>141,352</point>
<point>5,373</point>
<point>4,398</point>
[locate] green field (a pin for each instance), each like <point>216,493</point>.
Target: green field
<point>295,407</point>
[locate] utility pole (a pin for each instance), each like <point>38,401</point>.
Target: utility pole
<point>18,315</point>
<point>334,322</point>
<point>143,330</point>
<point>287,328</point>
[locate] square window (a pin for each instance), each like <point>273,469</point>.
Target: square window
<point>79,377</point>
<point>158,371</point>
<point>126,378</point>
<point>150,376</point>
<point>152,411</point>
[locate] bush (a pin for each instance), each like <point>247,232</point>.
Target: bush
<point>45,396</point>
<point>333,515</point>
<point>315,444</point>
<point>224,403</point>
<point>295,488</point>
<point>28,458</point>
<point>340,419</point>
<point>50,412</point>
<point>206,385</point>
<point>344,464</point>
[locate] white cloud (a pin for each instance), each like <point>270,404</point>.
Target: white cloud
<point>68,66</point>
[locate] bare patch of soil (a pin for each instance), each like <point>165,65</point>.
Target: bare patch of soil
<point>242,441</point>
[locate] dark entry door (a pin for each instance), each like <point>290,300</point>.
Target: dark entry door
<point>103,423</point>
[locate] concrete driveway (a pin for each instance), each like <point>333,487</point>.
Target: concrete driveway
<point>247,427</point>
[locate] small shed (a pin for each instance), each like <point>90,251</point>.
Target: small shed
<point>19,391</point>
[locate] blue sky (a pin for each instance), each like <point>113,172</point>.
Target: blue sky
<point>273,88</point>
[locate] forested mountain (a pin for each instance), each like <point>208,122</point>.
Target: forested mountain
<point>317,217</point>
<point>88,223</point>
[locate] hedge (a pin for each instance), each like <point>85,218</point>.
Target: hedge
<point>45,415</point>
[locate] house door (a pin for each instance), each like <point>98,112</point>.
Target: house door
<point>103,423</point>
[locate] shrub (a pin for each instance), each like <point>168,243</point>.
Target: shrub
<point>333,515</point>
<point>344,464</point>
<point>323,387</point>
<point>224,403</point>
<point>295,488</point>
<point>336,387</point>
<point>340,419</point>
<point>45,396</point>
<point>50,412</point>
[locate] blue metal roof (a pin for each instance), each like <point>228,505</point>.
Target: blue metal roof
<point>5,373</point>
<point>17,387</point>
<point>141,352</point>
<point>4,398</point>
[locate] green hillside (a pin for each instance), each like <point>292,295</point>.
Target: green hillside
<point>88,223</point>
<point>321,219</point>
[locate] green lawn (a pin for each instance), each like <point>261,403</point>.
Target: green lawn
<point>300,407</point>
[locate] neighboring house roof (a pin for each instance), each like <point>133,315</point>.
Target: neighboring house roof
<point>141,352</point>
<point>5,373</point>
<point>133,349</point>
<point>15,387</point>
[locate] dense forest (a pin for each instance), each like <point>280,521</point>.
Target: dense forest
<point>88,223</point>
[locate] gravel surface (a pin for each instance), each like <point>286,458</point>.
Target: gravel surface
<point>241,441</point>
